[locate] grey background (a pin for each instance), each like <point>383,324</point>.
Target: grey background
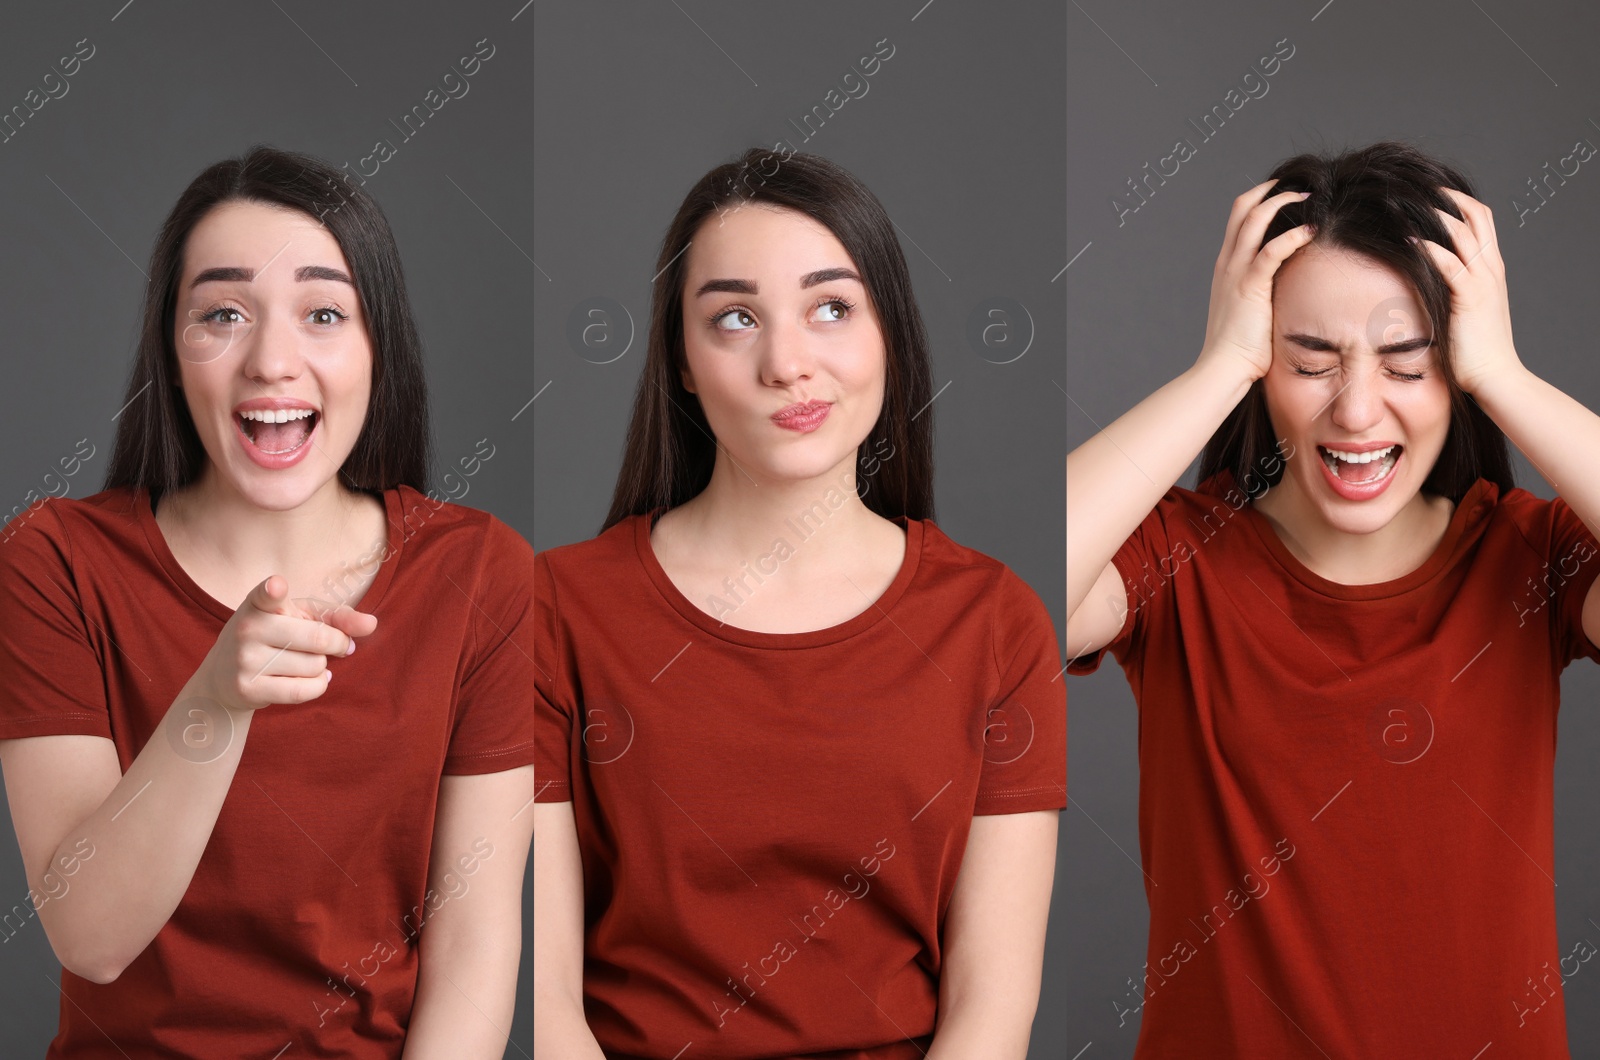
<point>85,185</point>
<point>1500,90</point>
<point>959,135</point>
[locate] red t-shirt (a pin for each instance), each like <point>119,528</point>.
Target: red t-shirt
<point>299,930</point>
<point>771,824</point>
<point>1345,795</point>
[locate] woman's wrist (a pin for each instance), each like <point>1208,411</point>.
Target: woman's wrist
<point>1225,369</point>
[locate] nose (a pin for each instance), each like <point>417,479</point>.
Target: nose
<point>272,349</point>
<point>786,355</point>
<point>1358,404</point>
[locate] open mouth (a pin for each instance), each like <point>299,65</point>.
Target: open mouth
<point>1363,468</point>
<point>276,433</point>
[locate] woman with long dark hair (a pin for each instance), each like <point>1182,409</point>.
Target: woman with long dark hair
<point>800,755</point>
<point>231,853</point>
<point>1346,643</point>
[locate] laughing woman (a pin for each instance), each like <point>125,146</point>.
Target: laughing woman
<point>800,754</point>
<point>231,853</point>
<point>1346,644</point>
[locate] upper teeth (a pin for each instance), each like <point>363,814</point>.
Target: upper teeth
<point>276,415</point>
<point>1360,458</point>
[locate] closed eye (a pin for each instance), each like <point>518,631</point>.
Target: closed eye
<point>1410,377</point>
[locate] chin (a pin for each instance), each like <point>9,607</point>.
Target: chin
<point>800,467</point>
<point>1367,516</point>
<point>275,491</point>
<point>278,496</point>
<point>1364,521</point>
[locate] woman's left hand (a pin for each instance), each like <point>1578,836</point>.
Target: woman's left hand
<point>1480,310</point>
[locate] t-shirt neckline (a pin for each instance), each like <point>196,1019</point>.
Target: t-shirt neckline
<point>877,611</point>
<point>158,546</point>
<point>1466,510</point>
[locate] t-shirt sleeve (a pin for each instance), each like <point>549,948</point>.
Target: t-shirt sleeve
<point>1575,559</point>
<point>494,723</point>
<point>1133,561</point>
<point>553,713</point>
<point>1025,727</point>
<point>51,680</point>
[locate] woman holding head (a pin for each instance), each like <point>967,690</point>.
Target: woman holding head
<point>1346,644</point>
<point>231,853</point>
<point>800,754</point>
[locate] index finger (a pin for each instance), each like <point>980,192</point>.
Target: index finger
<point>308,635</point>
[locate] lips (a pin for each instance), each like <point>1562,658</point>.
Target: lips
<point>1372,482</point>
<point>806,416</point>
<point>801,409</point>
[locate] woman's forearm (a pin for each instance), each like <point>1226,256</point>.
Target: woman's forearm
<point>559,1028</point>
<point>146,838</point>
<point>464,1005</point>
<point>1000,1034</point>
<point>1115,478</point>
<point>1556,432</point>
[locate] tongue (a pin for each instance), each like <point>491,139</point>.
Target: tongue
<point>1347,472</point>
<point>280,437</point>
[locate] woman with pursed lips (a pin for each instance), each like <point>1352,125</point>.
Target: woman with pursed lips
<point>801,755</point>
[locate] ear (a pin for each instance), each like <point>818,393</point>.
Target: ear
<point>687,378</point>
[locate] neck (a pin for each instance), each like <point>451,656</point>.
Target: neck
<point>245,535</point>
<point>1390,551</point>
<point>744,513</point>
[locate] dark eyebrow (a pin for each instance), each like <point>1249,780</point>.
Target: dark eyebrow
<point>810,279</point>
<point>730,286</point>
<point>1321,345</point>
<point>235,273</point>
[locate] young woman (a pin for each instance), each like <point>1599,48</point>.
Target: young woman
<point>1346,644</point>
<point>231,853</point>
<point>800,755</point>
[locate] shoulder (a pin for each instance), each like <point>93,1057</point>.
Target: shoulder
<point>431,522</point>
<point>963,580</point>
<point>1517,503</point>
<point>1530,514</point>
<point>1548,526</point>
<point>969,573</point>
<point>52,548</point>
<point>569,580</point>
<point>470,548</point>
<point>69,526</point>
<point>600,558</point>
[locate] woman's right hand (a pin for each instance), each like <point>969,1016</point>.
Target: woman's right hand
<point>274,650</point>
<point>1239,323</point>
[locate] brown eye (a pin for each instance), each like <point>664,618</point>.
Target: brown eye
<point>835,309</point>
<point>220,315</point>
<point>746,321</point>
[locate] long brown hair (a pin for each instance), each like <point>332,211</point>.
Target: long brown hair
<point>157,446</point>
<point>670,450</point>
<point>1370,201</point>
